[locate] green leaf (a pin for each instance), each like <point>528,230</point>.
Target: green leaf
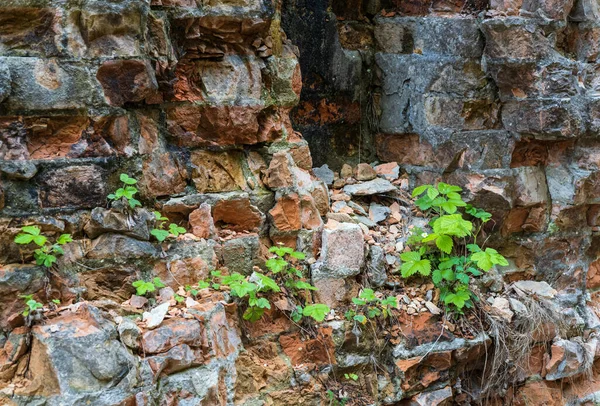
<point>64,239</point>
<point>463,278</point>
<point>127,180</point>
<point>234,277</point>
<point>242,288</point>
<point>57,249</point>
<point>423,203</point>
<point>448,207</point>
<point>159,217</point>
<point>202,285</point>
<point>276,265</point>
<point>265,283</point>
<point>298,255</point>
<point>304,285</point>
<point>253,313</point>
<point>56,301</point>
<point>359,302</point>
<point>420,190</point>
<point>436,276</point>
<point>111,196</point>
<point>445,188</point>
<point>368,295</point>
<point>317,311</point>
<point>49,260</point>
<point>23,238</point>
<point>448,274</point>
<point>458,299</point>
<point>133,203</point>
<point>157,282</point>
<point>444,243</point>
<point>412,263</point>
<point>261,302</point>
<point>389,301</point>
<point>360,318</point>
<point>297,314</point>
<point>488,258</point>
<point>452,224</point>
<point>473,248</point>
<point>432,193</point>
<point>33,230</point>
<point>40,240</point>
<point>176,230</point>
<point>160,235</point>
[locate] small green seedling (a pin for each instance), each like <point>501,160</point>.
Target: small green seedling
<point>127,191</point>
<point>31,304</point>
<point>160,233</point>
<point>352,377</point>
<point>47,253</point>
<point>143,287</point>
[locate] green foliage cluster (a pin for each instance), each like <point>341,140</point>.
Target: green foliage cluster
<point>160,233</point>
<point>127,191</point>
<point>47,252</point>
<point>450,255</point>
<point>254,291</point>
<point>31,305</point>
<point>334,400</point>
<point>368,306</point>
<point>143,287</point>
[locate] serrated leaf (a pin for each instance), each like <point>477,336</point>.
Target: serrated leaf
<point>432,193</point>
<point>133,203</point>
<point>127,180</point>
<point>317,311</point>
<point>304,285</point>
<point>23,239</point>
<point>160,235</point>
<point>463,278</point>
<point>176,230</point>
<point>276,265</point>
<point>448,274</point>
<point>449,207</point>
<point>265,283</point>
<point>444,243</point>
<point>453,224</point>
<point>64,239</point>
<point>253,313</point>
<point>436,276</point>
<point>157,282</point>
<point>40,240</point>
<point>445,188</point>
<point>298,255</point>
<point>360,318</point>
<point>368,295</point>
<point>419,190</point>
<point>33,230</point>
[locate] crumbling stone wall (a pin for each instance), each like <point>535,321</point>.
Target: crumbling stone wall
<point>499,96</point>
<point>193,98</point>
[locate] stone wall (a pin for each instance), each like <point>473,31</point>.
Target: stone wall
<point>199,100</point>
<point>498,96</point>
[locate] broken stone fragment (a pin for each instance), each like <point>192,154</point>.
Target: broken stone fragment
<point>201,222</point>
<point>155,317</point>
<point>372,187</point>
<point>136,224</point>
<point>342,252</point>
<point>389,171</point>
<point>365,172</point>
<point>501,307</point>
<point>325,174</point>
<point>569,358</point>
<point>539,289</point>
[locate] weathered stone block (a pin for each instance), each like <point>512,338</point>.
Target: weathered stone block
<point>204,126</point>
<point>29,31</point>
<point>342,253</point>
<point>46,84</point>
<point>75,186</point>
<point>218,171</point>
<point>126,81</point>
<point>101,29</point>
<point>558,119</point>
<point>228,80</point>
<point>517,39</point>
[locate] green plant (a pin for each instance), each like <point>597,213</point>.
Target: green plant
<point>368,306</point>
<point>450,255</point>
<point>142,287</point>
<point>284,279</point>
<point>352,377</point>
<point>46,254</point>
<point>333,399</point>
<point>160,233</point>
<point>127,191</point>
<point>31,305</point>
